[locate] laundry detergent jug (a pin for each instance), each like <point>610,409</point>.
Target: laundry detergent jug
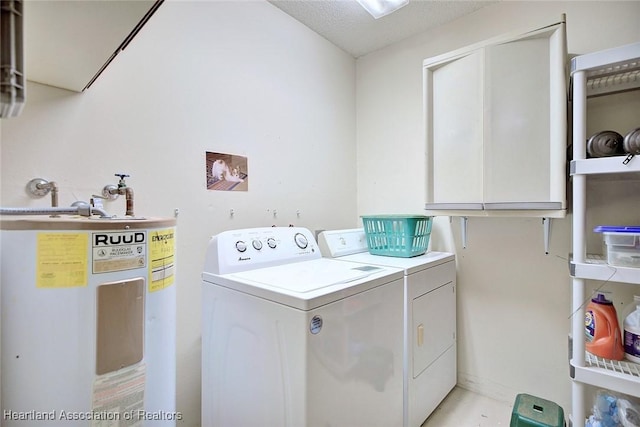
<point>603,336</point>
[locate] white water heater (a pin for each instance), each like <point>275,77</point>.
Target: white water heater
<point>88,322</point>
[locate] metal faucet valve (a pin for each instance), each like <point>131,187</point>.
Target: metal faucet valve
<point>122,183</point>
<point>112,192</point>
<point>39,187</point>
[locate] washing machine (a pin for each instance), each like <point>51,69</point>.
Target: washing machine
<point>290,338</point>
<point>429,305</point>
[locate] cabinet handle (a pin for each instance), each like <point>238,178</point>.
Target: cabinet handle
<point>420,335</point>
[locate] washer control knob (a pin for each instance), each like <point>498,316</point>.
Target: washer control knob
<point>271,242</point>
<point>241,246</point>
<point>301,241</point>
<point>257,244</point>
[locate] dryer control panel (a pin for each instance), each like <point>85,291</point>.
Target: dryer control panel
<point>250,248</point>
<point>338,243</point>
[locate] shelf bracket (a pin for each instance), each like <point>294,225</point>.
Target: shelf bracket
<point>463,228</point>
<point>546,223</point>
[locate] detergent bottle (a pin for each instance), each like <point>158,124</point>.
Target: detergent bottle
<point>603,336</point>
<point>631,329</point>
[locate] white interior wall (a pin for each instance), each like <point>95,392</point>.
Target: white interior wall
<point>513,300</point>
<point>234,77</point>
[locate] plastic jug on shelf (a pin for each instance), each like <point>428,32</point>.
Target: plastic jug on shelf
<point>631,328</point>
<point>602,331</point>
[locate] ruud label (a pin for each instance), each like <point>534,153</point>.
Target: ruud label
<point>119,251</point>
<point>110,239</point>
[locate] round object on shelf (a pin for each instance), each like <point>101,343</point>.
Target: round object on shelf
<point>631,142</point>
<point>604,144</point>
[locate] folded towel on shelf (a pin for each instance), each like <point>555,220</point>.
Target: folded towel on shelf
<point>604,144</point>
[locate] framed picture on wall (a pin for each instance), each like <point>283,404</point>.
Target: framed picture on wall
<point>226,172</point>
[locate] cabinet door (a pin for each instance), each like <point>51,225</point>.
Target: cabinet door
<point>456,118</point>
<point>517,134</point>
<point>524,139</point>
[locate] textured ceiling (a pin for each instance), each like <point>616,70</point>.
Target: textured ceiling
<point>347,25</point>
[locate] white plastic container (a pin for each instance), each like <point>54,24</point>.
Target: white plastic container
<point>622,245</point>
<point>631,332</point>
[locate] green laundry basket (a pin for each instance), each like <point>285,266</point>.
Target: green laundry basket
<point>402,236</point>
<point>532,411</point>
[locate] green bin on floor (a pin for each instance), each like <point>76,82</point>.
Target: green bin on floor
<point>532,411</point>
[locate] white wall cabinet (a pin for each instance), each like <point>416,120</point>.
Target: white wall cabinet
<point>69,43</point>
<point>496,126</point>
<point>598,74</point>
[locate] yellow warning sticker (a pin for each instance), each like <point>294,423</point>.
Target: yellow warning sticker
<point>61,260</point>
<point>161,259</point>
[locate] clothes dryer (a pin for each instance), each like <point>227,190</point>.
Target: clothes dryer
<point>293,339</point>
<point>429,323</point>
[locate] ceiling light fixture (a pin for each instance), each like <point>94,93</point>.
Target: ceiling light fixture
<point>380,8</point>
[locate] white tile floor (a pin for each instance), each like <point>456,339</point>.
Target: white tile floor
<point>462,408</point>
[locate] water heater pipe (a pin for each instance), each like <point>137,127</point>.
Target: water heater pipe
<point>128,194</point>
<point>82,210</point>
<point>54,193</point>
